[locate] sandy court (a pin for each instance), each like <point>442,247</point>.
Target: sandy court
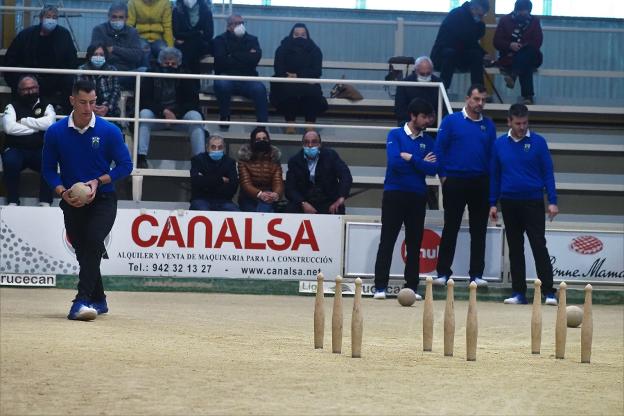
<point>194,353</point>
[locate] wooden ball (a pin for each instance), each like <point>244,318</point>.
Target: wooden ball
<point>406,297</point>
<point>574,315</point>
<point>80,190</point>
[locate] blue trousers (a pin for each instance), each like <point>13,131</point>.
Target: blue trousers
<point>195,131</point>
<point>254,90</point>
<point>253,205</point>
<point>213,205</point>
<point>14,161</point>
<point>452,60</point>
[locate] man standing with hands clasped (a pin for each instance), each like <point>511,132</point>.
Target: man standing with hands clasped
<point>521,169</point>
<point>410,160</point>
<point>84,146</point>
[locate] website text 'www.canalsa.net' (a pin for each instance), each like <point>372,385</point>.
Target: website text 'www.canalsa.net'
<point>278,271</point>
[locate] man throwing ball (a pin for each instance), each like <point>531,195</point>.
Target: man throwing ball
<point>84,146</point>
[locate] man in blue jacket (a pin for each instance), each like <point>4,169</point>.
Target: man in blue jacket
<point>318,181</point>
<point>457,44</point>
<point>236,52</point>
<point>84,145</point>
<point>464,147</point>
<point>521,169</point>
<point>410,159</point>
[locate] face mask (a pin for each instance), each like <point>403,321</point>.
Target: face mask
<point>169,69</point>
<point>117,24</point>
<point>310,152</point>
<point>423,79</point>
<point>29,99</point>
<point>49,24</point>
<point>190,3</point>
<point>262,146</point>
<point>240,31</point>
<point>216,155</point>
<point>97,61</point>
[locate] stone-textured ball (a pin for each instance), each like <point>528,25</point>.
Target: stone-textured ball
<point>406,297</point>
<point>81,191</point>
<point>575,316</point>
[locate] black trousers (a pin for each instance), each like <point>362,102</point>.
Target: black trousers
<point>457,193</point>
<point>525,62</point>
<point>398,208</point>
<point>451,60</point>
<point>527,216</point>
<point>87,227</point>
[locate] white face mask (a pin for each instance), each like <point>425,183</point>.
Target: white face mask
<point>190,3</point>
<point>423,79</point>
<point>240,30</point>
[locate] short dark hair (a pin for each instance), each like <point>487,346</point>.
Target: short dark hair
<point>82,85</point>
<point>479,87</point>
<point>311,131</point>
<point>523,5</point>
<point>419,106</point>
<point>484,4</point>
<point>48,8</point>
<point>518,110</point>
<point>118,5</point>
<point>94,47</point>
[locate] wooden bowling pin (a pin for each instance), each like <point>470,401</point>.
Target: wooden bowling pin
<point>536,319</point>
<point>357,321</point>
<point>319,313</point>
<point>587,327</point>
<point>449,319</point>
<point>428,316</point>
<point>472,328</point>
<point>561,326</point>
<point>337,318</point>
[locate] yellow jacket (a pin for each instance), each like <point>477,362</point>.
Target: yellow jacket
<point>153,20</point>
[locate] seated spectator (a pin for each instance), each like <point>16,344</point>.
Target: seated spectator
<point>260,173</point>
<point>317,181</point>
<point>298,57</point>
<point>106,87</point>
<point>172,99</point>
<point>457,45</point>
<point>193,30</point>
<point>152,20</point>
<point>46,45</point>
<point>518,39</point>
<point>423,72</point>
<point>236,52</point>
<point>214,179</point>
<point>122,42</point>
<point>25,120</point>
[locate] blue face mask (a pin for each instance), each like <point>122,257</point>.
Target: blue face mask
<point>98,61</point>
<point>117,24</point>
<point>310,152</point>
<point>216,154</point>
<point>49,24</point>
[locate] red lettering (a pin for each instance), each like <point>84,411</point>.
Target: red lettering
<point>233,237</point>
<point>249,244</point>
<point>305,229</point>
<point>274,232</point>
<point>136,224</point>
<point>191,231</point>
<point>175,235</point>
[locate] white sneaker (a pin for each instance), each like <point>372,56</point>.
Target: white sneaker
<point>440,281</point>
<point>480,282</point>
<point>516,299</point>
<point>44,204</point>
<point>418,297</point>
<point>379,294</point>
<point>551,300</point>
<point>12,204</point>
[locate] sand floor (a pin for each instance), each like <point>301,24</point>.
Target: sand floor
<point>194,353</point>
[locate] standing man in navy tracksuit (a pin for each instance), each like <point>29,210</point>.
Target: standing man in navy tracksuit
<point>410,159</point>
<point>463,146</point>
<point>521,169</point>
<point>84,146</point>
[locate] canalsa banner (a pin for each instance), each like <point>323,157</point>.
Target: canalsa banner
<point>179,243</point>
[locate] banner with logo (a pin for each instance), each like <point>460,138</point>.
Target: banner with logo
<point>348,288</point>
<point>179,243</point>
<point>583,256</point>
<point>362,241</point>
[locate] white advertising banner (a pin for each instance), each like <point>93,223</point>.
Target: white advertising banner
<point>362,240</point>
<point>179,243</point>
<point>348,288</point>
<point>583,256</point>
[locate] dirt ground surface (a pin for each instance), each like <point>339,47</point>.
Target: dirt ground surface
<point>197,353</point>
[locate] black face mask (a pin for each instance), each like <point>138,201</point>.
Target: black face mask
<point>169,70</point>
<point>29,99</point>
<point>262,146</point>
